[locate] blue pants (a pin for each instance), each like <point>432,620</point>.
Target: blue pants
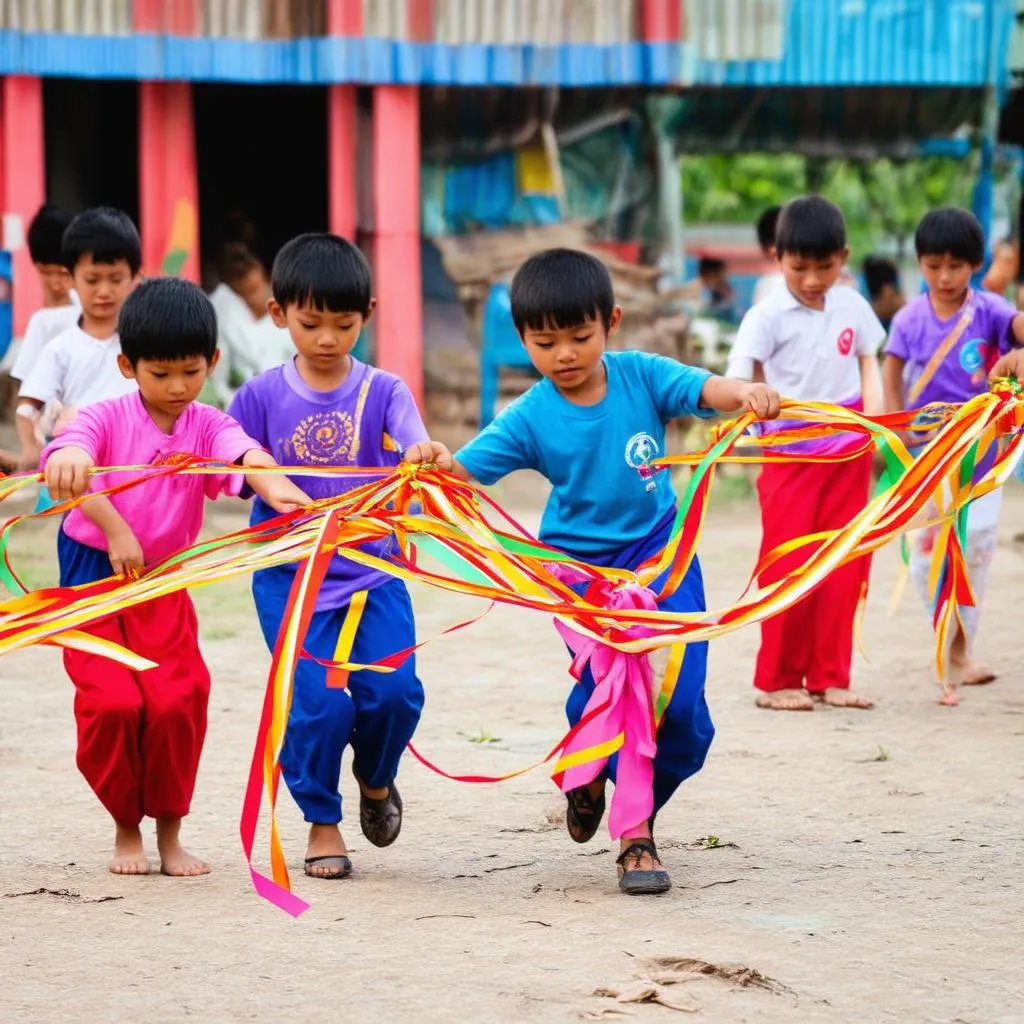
<point>686,730</point>
<point>376,714</point>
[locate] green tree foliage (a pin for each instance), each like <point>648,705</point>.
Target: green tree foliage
<point>882,200</point>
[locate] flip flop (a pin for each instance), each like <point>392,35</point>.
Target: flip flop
<point>339,860</point>
<point>641,883</point>
<point>381,820</point>
<point>583,814</point>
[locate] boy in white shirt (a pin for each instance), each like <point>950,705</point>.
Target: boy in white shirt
<point>102,252</point>
<point>812,339</point>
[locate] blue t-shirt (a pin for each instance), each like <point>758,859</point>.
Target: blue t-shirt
<point>592,454</point>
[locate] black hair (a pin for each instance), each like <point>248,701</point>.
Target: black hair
<point>167,318</point>
<point>324,271</point>
<point>710,265</point>
<point>949,231</point>
<point>810,227</point>
<point>766,227</point>
<point>561,288</point>
<point>879,272</point>
<point>106,234</point>
<point>45,233</point>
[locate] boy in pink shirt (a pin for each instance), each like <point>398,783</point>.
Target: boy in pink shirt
<point>140,734</point>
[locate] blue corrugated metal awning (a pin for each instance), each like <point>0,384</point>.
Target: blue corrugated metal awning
<point>850,43</point>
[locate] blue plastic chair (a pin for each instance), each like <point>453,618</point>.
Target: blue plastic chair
<point>501,347</point>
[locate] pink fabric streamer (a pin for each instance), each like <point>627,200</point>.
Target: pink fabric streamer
<point>623,685</point>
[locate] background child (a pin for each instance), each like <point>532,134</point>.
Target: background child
<point>101,249</point>
<point>60,304</point>
<point>766,225</point>
<point>942,347</point>
<point>719,294</point>
<point>816,340</point>
<point>140,734</point>
<point>1001,277</point>
<point>325,408</point>
<point>882,279</point>
<point>590,426</point>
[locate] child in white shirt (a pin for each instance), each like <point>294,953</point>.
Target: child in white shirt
<point>102,252</point>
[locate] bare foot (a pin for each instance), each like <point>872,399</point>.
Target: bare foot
<point>949,698</point>
<point>785,700</point>
<point>326,854</point>
<point>129,854</point>
<point>837,697</point>
<point>175,860</point>
<point>975,674</point>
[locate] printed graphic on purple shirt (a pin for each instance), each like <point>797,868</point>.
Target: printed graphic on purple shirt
<point>917,333</point>
<point>368,421</point>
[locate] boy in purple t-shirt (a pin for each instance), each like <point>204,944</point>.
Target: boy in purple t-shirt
<point>943,347</point>
<point>325,408</point>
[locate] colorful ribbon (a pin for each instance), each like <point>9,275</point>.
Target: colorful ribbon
<point>445,538</point>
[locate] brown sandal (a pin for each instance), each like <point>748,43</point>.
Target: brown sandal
<point>637,882</point>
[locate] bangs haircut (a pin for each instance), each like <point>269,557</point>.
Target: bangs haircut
<point>46,233</point>
<point>167,319</point>
<point>561,288</point>
<point>104,233</point>
<point>949,231</point>
<point>323,271</point>
<point>810,227</point>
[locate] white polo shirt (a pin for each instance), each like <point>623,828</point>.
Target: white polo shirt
<point>809,354</point>
<point>43,326</point>
<point>77,369</point>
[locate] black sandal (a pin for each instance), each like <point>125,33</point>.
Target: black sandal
<point>381,820</point>
<point>344,866</point>
<point>583,814</point>
<point>634,881</point>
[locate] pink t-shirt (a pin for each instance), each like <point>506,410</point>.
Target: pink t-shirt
<point>165,514</point>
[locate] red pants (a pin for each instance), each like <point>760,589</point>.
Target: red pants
<point>811,644</point>
<point>140,734</point>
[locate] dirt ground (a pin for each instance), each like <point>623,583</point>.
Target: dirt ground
<point>863,866</point>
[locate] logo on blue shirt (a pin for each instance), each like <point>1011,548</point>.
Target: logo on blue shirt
<point>641,450</point>
<point>972,355</point>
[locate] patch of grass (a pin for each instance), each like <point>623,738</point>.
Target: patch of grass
<point>483,736</point>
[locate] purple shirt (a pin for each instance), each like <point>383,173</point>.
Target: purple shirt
<point>368,421</point>
<point>917,333</point>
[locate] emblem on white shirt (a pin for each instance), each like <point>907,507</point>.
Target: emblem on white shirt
<point>845,341</point>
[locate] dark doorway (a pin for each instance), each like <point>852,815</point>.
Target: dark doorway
<point>262,152</point>
<point>92,143</point>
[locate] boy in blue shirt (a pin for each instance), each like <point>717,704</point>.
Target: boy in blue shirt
<point>590,426</point>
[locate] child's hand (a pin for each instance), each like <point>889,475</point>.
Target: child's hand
<point>124,552</point>
<point>67,473</point>
<point>430,451</point>
<point>1011,365</point>
<point>763,401</point>
<point>282,495</point>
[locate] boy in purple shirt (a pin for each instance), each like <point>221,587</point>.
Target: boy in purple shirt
<point>943,347</point>
<point>325,408</point>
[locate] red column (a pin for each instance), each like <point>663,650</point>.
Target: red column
<point>661,21</point>
<point>168,175</point>
<point>396,206</point>
<point>22,184</point>
<point>344,18</point>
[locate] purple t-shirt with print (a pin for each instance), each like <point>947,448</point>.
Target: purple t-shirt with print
<point>917,333</point>
<point>368,421</point>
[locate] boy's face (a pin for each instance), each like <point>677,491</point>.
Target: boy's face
<point>169,385</point>
<point>947,277</point>
<point>254,290</point>
<point>570,357</point>
<point>102,287</point>
<point>809,278</point>
<point>322,338</point>
<point>56,282</point>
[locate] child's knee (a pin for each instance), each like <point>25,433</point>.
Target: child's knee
<point>397,694</point>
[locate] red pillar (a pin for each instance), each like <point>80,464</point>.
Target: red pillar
<point>168,175</point>
<point>396,205</point>
<point>661,21</point>
<point>344,18</point>
<point>22,184</point>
